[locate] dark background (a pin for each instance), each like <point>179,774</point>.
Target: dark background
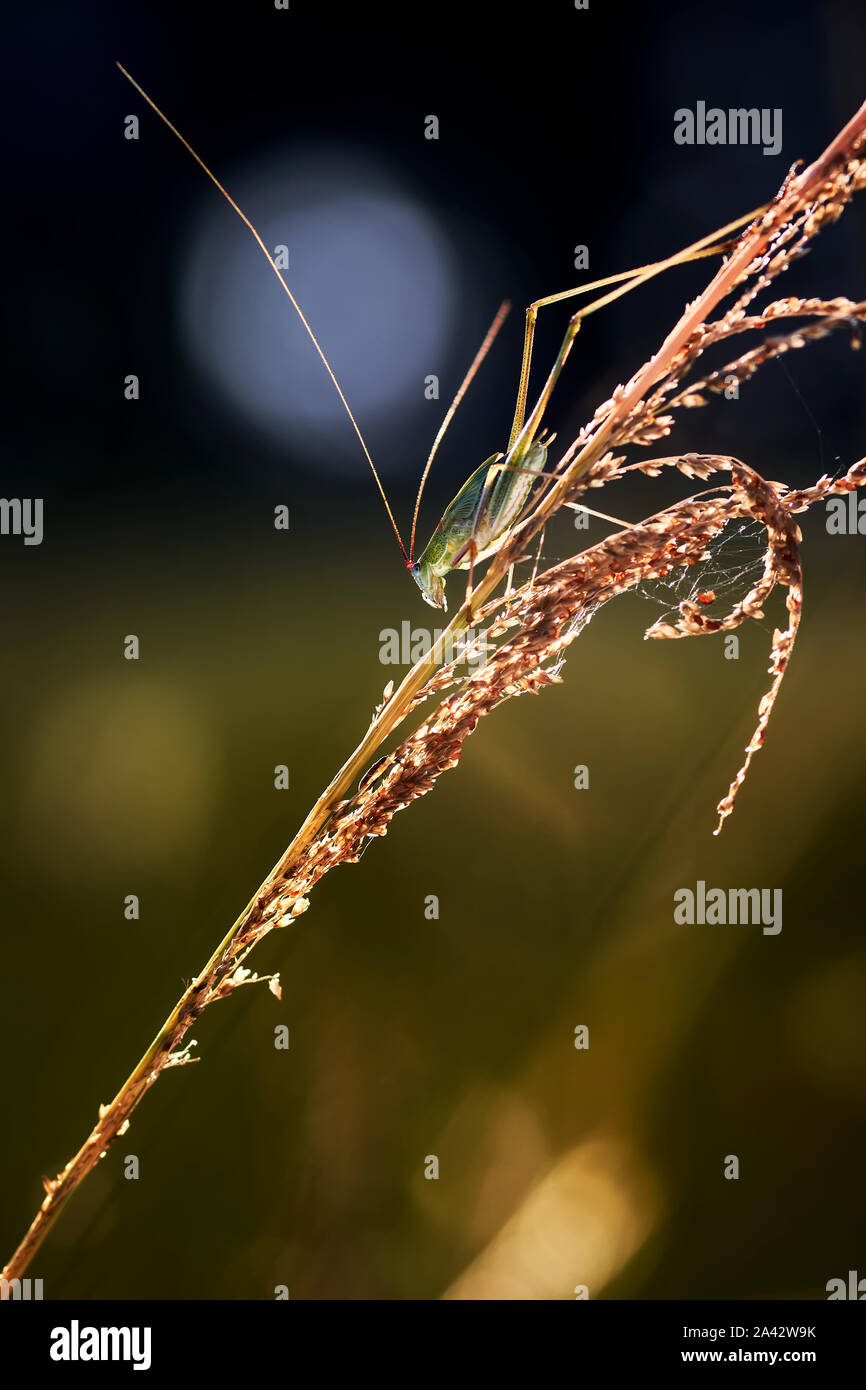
<point>412,1037</point>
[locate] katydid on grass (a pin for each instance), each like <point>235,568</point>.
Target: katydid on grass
<point>479,520</point>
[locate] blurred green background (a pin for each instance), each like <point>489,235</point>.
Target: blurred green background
<point>412,1037</point>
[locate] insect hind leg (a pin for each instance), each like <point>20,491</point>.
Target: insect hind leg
<point>710,245</point>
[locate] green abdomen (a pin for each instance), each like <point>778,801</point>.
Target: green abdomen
<point>485,514</point>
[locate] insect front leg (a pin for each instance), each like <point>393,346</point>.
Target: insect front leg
<point>537,557</point>
<point>471,549</point>
<point>470,582</point>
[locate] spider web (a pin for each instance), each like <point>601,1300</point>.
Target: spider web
<point>734,563</point>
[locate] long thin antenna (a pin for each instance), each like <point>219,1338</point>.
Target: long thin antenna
<point>480,355</point>
<point>242,215</point>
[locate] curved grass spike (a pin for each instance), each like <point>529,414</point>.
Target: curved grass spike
<point>478,521</point>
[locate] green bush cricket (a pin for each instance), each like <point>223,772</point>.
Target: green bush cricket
<point>479,520</point>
